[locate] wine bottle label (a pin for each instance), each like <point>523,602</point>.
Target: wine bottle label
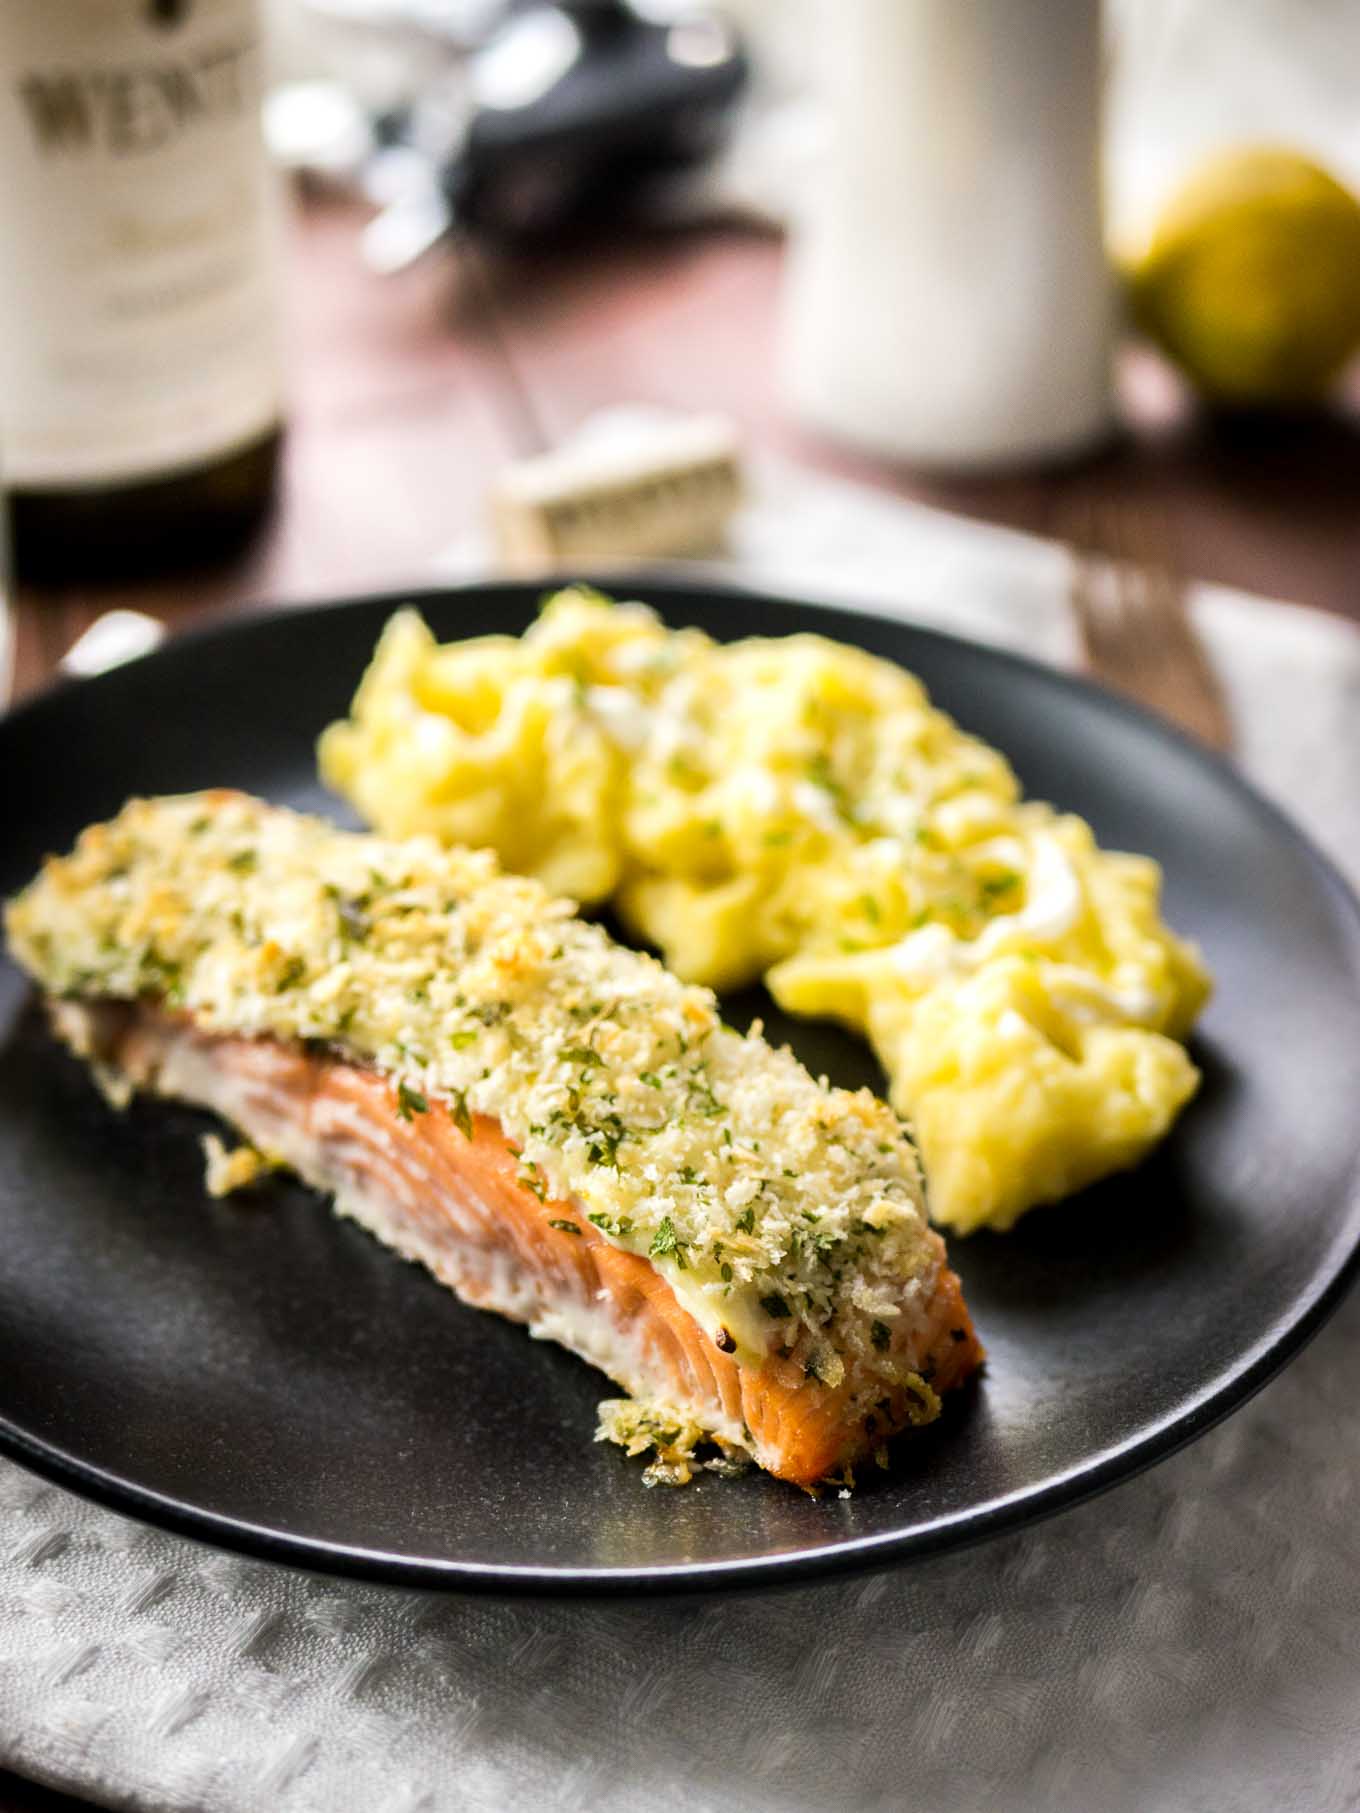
<point>138,239</point>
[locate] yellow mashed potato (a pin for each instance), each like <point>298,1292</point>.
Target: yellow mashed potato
<point>797,809</point>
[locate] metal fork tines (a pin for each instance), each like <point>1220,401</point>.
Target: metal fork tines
<point>1135,628</point>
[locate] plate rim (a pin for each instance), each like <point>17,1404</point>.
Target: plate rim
<point>1011,1512</point>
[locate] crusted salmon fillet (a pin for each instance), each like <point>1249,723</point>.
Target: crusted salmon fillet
<point>556,1127</point>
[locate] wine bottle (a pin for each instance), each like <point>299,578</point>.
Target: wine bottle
<point>140,417</point>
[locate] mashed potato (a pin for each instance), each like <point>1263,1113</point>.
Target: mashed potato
<point>797,809</point>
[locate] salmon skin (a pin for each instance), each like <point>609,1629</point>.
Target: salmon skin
<point>556,1127</point>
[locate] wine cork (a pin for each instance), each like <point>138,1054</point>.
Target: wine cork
<point>631,485</point>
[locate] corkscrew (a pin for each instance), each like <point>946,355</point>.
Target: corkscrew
<point>571,115</point>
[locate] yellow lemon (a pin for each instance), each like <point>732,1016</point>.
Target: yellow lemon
<point>1251,279</point>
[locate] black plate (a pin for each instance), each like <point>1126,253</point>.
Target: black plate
<point>270,1379</point>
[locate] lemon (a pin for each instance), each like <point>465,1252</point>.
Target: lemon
<point>1251,279</point>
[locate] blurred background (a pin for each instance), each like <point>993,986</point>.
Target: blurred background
<point>560,284</point>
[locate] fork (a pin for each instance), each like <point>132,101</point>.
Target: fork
<point>1136,632</point>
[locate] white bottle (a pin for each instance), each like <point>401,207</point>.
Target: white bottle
<point>948,296</point>
<point>139,358</point>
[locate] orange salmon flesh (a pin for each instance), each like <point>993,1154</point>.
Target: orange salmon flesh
<point>460,1206</point>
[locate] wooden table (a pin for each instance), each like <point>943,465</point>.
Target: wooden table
<point>408,392</point>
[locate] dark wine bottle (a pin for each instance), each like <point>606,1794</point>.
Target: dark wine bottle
<point>140,416</point>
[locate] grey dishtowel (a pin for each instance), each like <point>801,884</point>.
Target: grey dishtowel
<point>1190,1641</point>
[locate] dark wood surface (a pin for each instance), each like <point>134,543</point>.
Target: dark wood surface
<point>407,393</point>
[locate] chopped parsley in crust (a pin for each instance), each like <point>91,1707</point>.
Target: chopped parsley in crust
<point>784,1213</point>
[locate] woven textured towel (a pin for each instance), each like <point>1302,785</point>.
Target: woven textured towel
<point>1190,1641</point>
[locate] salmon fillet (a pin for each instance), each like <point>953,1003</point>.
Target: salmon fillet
<point>803,1358</point>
